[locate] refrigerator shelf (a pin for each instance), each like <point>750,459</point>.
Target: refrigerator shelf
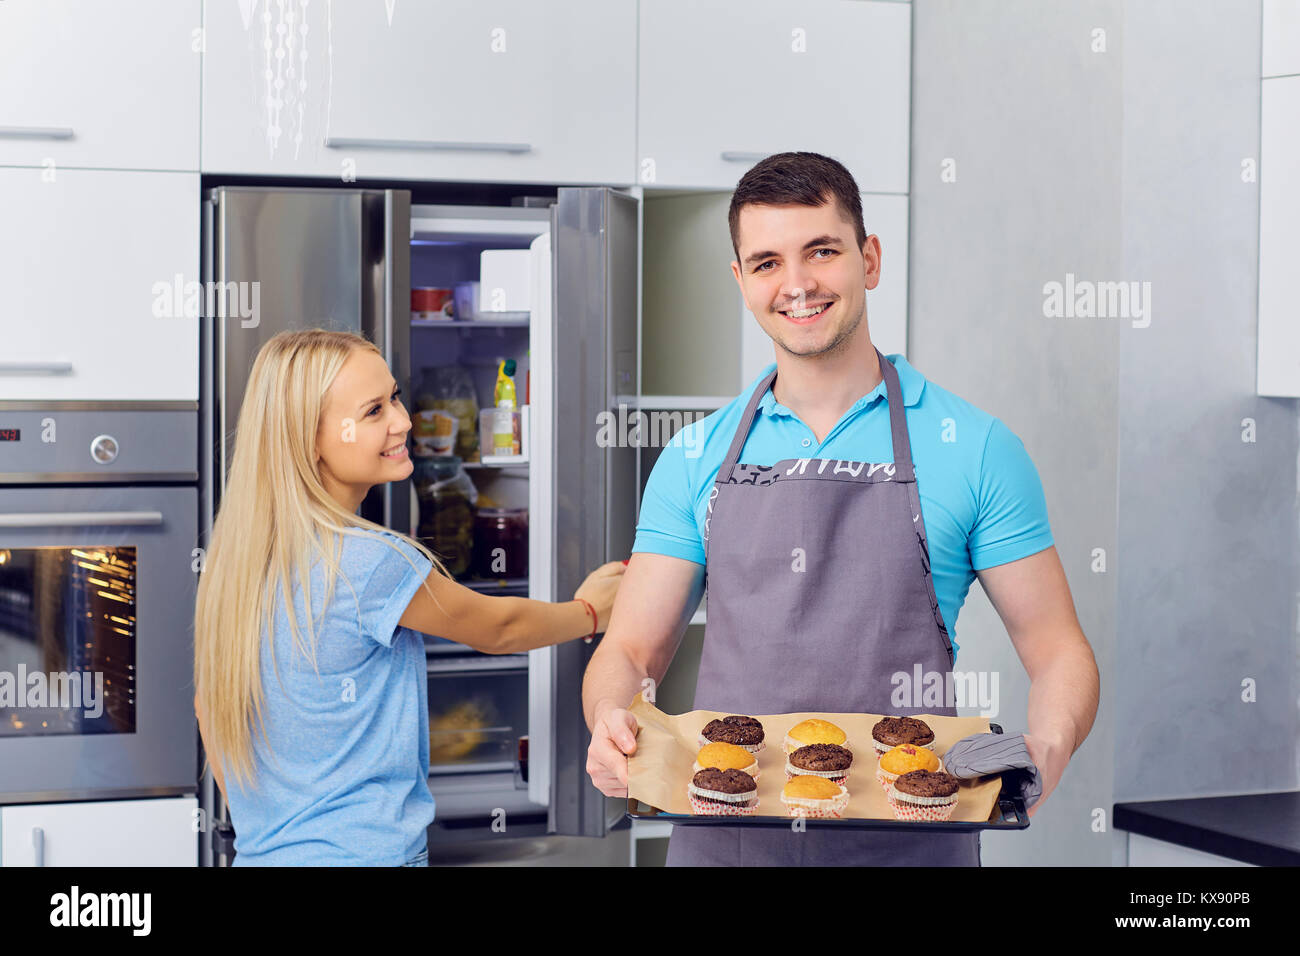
<point>494,461</point>
<point>509,320</point>
<point>502,461</point>
<point>494,585</point>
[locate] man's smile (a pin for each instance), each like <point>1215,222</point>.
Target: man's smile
<point>808,314</point>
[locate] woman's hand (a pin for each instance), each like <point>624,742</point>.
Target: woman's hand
<point>599,590</point>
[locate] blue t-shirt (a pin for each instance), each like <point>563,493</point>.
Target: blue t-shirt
<point>981,498</point>
<point>347,781</point>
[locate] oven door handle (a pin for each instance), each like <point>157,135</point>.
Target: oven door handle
<point>79,519</point>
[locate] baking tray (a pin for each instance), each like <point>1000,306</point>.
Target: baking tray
<point>1008,814</point>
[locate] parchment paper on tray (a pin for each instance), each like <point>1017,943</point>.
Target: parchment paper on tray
<point>660,769</point>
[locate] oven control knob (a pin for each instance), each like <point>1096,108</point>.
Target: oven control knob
<point>103,449</point>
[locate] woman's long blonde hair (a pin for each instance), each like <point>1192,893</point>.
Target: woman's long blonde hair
<point>275,517</point>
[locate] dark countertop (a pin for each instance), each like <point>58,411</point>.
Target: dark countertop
<point>1259,828</point>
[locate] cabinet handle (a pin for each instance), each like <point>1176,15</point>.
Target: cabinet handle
<point>35,132</point>
<point>80,519</point>
<point>338,142</point>
<point>734,156</point>
<point>38,846</point>
<point>36,368</point>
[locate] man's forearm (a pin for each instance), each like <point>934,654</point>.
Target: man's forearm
<point>1063,698</point>
<point>612,679</point>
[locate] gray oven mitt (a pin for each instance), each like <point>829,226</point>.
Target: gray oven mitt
<point>981,754</point>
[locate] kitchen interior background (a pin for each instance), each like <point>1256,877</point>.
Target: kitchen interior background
<point>1000,145</point>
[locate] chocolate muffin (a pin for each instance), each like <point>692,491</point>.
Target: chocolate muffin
<point>820,760</point>
<point>890,732</point>
<point>723,791</point>
<point>924,796</point>
<point>927,783</point>
<point>739,730</point>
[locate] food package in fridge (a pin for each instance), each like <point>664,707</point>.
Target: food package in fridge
<point>450,388</point>
<point>503,281</point>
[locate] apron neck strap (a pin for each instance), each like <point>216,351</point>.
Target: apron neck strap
<point>897,423</point>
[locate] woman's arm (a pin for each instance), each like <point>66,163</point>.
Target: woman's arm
<point>508,625</point>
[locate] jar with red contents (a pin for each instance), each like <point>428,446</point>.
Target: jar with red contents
<point>501,543</point>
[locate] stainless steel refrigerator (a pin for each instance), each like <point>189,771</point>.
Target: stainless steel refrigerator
<point>347,258</point>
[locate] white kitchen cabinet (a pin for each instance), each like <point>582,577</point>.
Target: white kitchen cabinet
<point>157,832</point>
<point>724,83</point>
<point>1280,50</point>
<point>93,84</point>
<point>90,264</point>
<point>471,90</point>
<point>1278,365</point>
<point>1147,851</point>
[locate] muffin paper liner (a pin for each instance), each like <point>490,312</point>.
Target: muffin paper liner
<point>835,776</point>
<point>752,748</point>
<point>882,749</point>
<point>808,807</point>
<point>709,809</point>
<point>930,812</point>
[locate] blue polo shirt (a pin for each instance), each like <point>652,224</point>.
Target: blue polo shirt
<point>981,498</point>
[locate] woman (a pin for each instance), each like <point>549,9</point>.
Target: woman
<point>337,771</point>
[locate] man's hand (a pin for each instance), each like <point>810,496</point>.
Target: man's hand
<point>612,739</point>
<point>1050,757</point>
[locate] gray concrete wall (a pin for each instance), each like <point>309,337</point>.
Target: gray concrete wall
<point>1011,93</point>
<point>1120,164</point>
<point>1209,558</point>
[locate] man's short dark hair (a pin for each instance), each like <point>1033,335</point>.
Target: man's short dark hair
<point>797,179</point>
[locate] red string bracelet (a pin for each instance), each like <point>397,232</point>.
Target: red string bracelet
<point>592,611</point>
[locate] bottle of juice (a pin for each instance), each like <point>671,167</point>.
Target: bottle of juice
<point>503,419</point>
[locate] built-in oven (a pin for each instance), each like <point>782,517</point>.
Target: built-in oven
<point>98,572</point>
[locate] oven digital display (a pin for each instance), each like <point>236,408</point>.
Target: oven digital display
<point>9,434</point>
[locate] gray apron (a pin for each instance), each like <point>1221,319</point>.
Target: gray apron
<point>819,590</point>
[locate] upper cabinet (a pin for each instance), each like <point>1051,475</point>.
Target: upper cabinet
<point>1280,49</point>
<point>84,83</point>
<point>101,297</point>
<point>495,90</point>
<point>724,83</point>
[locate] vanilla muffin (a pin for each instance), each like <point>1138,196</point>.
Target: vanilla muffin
<point>726,757</point>
<point>900,760</point>
<point>806,796</point>
<point>814,731</point>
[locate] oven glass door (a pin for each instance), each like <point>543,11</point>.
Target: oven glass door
<point>96,642</point>
<point>67,640</point>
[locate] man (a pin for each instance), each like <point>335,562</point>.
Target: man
<point>828,577</point>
